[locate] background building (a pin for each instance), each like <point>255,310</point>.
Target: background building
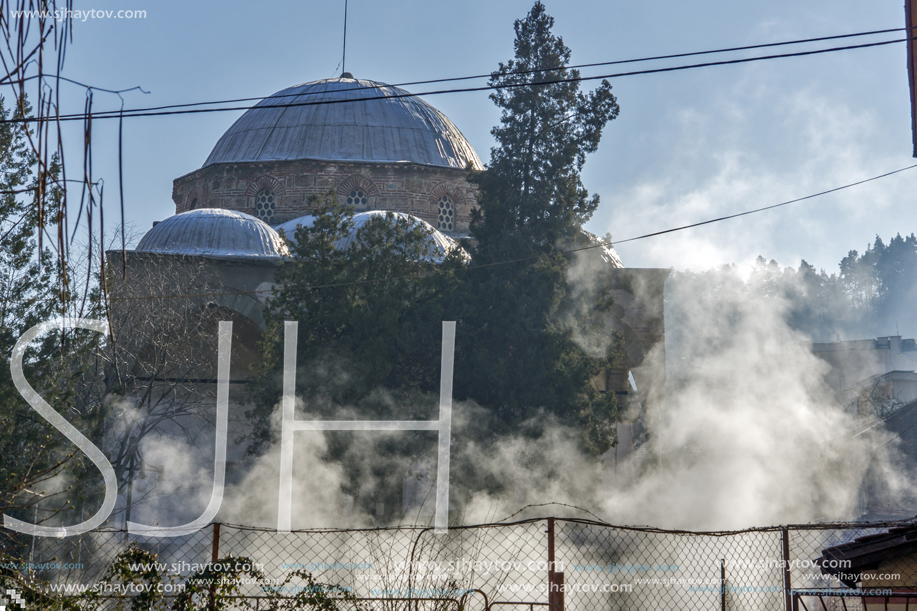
<point>876,380</point>
<point>377,148</point>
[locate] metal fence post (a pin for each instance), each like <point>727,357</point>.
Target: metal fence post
<point>552,595</point>
<point>787,584</point>
<point>555,577</point>
<point>723,584</point>
<point>215,548</point>
<point>214,556</point>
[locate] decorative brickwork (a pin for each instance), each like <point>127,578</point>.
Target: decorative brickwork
<point>359,192</point>
<point>194,200</point>
<point>445,202</point>
<point>400,187</point>
<point>264,182</point>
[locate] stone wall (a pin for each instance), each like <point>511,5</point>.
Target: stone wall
<point>400,187</point>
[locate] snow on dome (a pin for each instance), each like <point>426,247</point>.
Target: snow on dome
<point>440,244</point>
<point>607,253</point>
<point>289,228</point>
<point>345,119</point>
<point>214,233</point>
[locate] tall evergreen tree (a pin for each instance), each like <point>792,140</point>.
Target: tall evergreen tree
<point>896,273</point>
<point>30,447</point>
<point>517,351</point>
<point>532,193</point>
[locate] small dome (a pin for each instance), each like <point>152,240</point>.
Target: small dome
<point>289,228</point>
<point>606,253</point>
<point>214,233</point>
<point>439,244</point>
<point>345,119</point>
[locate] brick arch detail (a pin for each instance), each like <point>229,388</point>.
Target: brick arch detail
<point>265,182</point>
<point>446,188</point>
<point>357,182</point>
<point>194,195</point>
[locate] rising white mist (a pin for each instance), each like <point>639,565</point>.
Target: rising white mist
<point>745,433</point>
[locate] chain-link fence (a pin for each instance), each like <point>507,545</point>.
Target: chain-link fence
<point>573,564</point>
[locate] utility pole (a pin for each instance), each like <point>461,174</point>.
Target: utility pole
<point>910,17</point>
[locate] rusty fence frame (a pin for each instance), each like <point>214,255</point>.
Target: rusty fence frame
<point>785,544</point>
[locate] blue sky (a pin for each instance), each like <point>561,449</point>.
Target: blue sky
<point>687,146</point>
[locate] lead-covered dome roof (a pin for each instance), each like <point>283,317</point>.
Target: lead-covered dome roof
<point>345,119</point>
<point>214,233</point>
<point>439,245</point>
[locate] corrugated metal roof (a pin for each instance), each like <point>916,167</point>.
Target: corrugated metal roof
<point>439,245</point>
<point>214,233</point>
<point>344,119</point>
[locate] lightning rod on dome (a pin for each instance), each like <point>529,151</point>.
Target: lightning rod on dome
<point>344,54</point>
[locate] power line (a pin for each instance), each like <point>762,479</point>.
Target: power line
<point>57,77</point>
<point>153,112</point>
<point>532,258</point>
<point>792,201</point>
<point>508,261</point>
<point>900,433</point>
<point>525,259</point>
<point>530,71</point>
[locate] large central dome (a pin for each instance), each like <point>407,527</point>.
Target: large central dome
<point>345,119</point>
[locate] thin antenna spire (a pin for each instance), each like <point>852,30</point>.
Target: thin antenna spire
<point>344,58</point>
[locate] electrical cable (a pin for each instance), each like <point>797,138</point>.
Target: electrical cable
<point>499,263</point>
<point>532,258</point>
<point>792,201</point>
<point>142,113</point>
<point>480,76</point>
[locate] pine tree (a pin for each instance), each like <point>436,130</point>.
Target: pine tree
<point>532,193</point>
<point>517,354</point>
<point>28,295</point>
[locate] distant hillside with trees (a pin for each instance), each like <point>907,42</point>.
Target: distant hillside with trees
<point>872,294</point>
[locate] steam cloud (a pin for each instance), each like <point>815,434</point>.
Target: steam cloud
<point>746,434</point>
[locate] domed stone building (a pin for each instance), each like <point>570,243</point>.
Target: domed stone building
<point>379,149</point>
<point>376,146</point>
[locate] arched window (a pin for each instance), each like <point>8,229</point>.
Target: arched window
<point>193,204</point>
<point>264,205</point>
<point>446,219</point>
<point>357,198</point>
